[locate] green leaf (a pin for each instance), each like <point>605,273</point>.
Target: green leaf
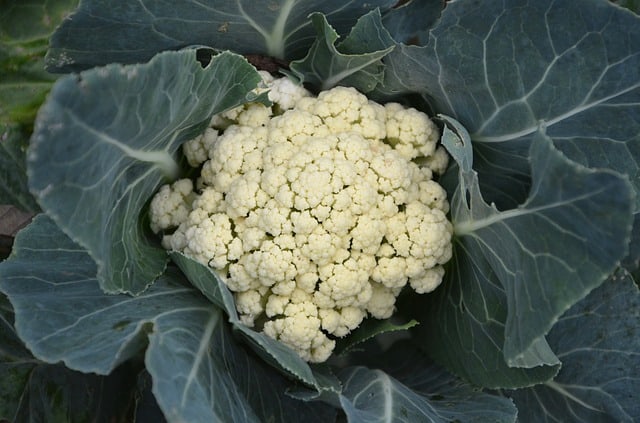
<point>29,20</point>
<point>23,83</point>
<point>224,382</point>
<point>410,21</point>
<point>13,169</point>
<point>598,341</point>
<point>99,33</point>
<point>25,27</point>
<point>199,371</point>
<point>554,267</point>
<point>15,363</point>
<point>633,5</point>
<point>450,399</point>
<point>455,139</point>
<point>208,282</point>
<point>501,264</point>
<point>355,61</point>
<point>462,326</point>
<point>31,390</point>
<point>507,69</point>
<point>632,261</point>
<point>426,393</point>
<point>107,138</point>
<point>24,30</point>
<point>53,393</point>
<point>61,312</point>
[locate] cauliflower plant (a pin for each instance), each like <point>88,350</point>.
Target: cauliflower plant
<point>316,211</point>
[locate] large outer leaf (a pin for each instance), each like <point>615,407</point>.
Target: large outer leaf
<point>582,220</point>
<point>504,69</point>
<point>106,139</point>
<point>541,272</point>
<point>464,328</point>
<point>197,368</point>
<point>102,32</point>
<point>33,391</point>
<point>400,384</point>
<point>222,374</point>
<point>598,341</point>
<point>449,398</point>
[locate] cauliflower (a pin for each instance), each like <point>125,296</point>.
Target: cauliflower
<point>171,205</point>
<point>316,211</point>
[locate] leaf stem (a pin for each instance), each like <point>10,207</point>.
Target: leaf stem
<point>275,41</point>
<point>560,389</point>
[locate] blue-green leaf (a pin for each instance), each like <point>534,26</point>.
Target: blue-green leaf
<point>355,61</point>
<point>553,267</point>
<point>199,371</point>
<point>25,27</point>
<point>24,30</point>
<point>428,394</point>
<point>99,33</point>
<point>598,341</point>
<point>506,274</point>
<point>450,399</point>
<point>208,282</point>
<point>505,69</point>
<point>187,360</point>
<point>456,140</point>
<point>61,312</point>
<point>33,391</point>
<point>411,21</point>
<point>463,328</point>
<point>107,138</point>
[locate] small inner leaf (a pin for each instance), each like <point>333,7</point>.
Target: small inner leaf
<point>457,141</point>
<point>355,61</point>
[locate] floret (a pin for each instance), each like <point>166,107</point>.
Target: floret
<point>197,150</point>
<point>314,212</point>
<point>171,205</point>
<point>410,131</point>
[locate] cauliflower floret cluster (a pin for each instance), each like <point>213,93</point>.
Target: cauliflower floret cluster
<point>316,211</point>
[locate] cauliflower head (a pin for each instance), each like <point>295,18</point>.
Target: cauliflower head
<point>316,211</point>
